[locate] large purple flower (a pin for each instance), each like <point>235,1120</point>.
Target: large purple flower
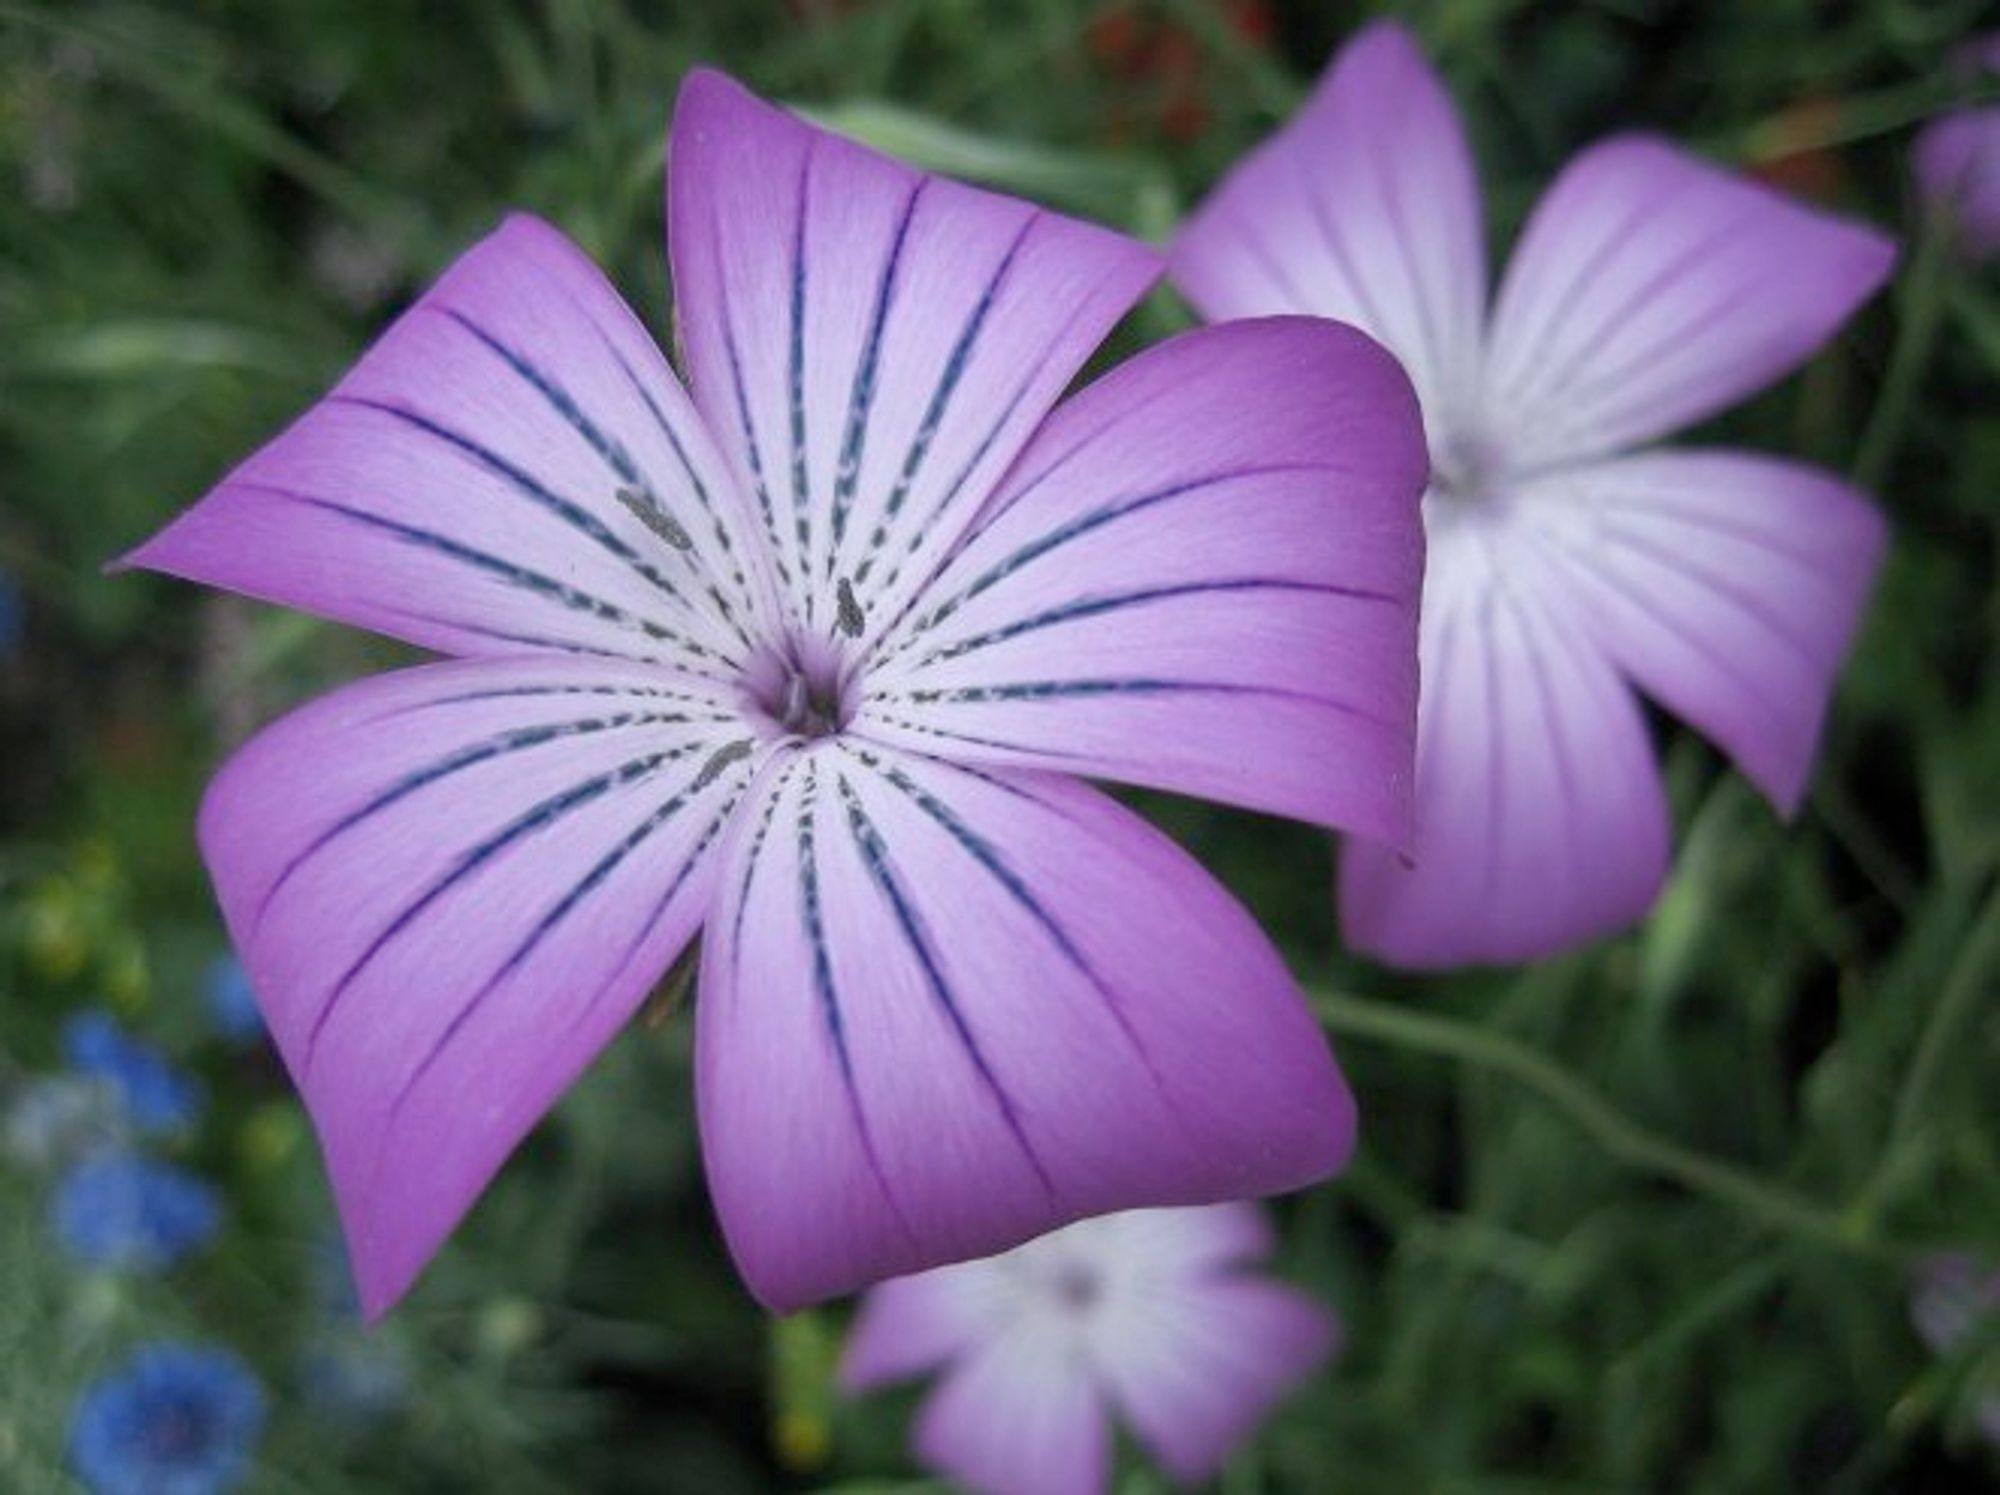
<point>1566,567</point>
<point>1155,1315</point>
<point>807,660</point>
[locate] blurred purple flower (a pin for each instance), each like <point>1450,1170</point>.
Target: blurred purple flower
<point>809,660</point>
<point>1953,1297</point>
<point>1152,1316</point>
<point>129,1212</point>
<point>154,1096</point>
<point>179,1419</point>
<point>1567,566</point>
<point>1957,160</point>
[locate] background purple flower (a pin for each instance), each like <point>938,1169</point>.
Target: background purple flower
<point>1957,160</point>
<point>178,1419</point>
<point>1568,564</point>
<point>1154,1317</point>
<point>154,1096</point>
<point>810,658</point>
<point>118,1209</point>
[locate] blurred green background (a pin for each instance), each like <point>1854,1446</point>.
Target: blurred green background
<point>1639,1219</point>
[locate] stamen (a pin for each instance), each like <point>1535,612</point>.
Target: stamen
<point>655,518</point>
<point>851,619</point>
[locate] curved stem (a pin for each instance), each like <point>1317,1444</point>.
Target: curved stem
<point>1613,1131</point>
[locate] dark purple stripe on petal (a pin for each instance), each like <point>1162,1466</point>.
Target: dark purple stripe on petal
<point>861,398</point>
<point>1092,607</point>
<point>537,818</point>
<point>570,513</point>
<point>940,401</point>
<point>505,744</point>
<point>875,856</point>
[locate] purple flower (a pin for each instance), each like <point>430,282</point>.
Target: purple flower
<point>1953,1297</point>
<point>1567,566</point>
<point>809,660</point>
<point>1153,1316</point>
<point>179,1419</point>
<point>121,1210</point>
<point>1957,159</point>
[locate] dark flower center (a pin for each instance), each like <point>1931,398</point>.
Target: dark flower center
<point>175,1433</point>
<point>800,689</point>
<point>1075,1286</point>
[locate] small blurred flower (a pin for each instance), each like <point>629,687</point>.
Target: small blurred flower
<point>232,1005</point>
<point>353,1376</point>
<point>10,617</point>
<point>155,1096</point>
<point>180,1419</point>
<point>1957,161</point>
<point>121,1210</point>
<point>54,1117</point>
<point>1150,1314</point>
<point>1952,1297</point>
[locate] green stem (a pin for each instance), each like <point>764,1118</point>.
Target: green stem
<point>1961,987</point>
<point>1617,1134</point>
<point>1920,307</point>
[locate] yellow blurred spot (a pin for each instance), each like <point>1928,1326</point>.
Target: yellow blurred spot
<point>53,933</point>
<point>801,1441</point>
<point>272,1135</point>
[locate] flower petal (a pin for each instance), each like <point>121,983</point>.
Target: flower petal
<point>1957,161</point>
<point>1201,576</point>
<point>873,344</point>
<point>450,886</point>
<point>943,1011</point>
<point>1023,1417</point>
<point>512,466</point>
<point>1200,1365</point>
<point>1651,289</point>
<point>1540,820</point>
<point>1727,585</point>
<point>1365,208</point>
<point>909,1325</point>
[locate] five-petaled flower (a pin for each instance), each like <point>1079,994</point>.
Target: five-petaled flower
<point>1153,1314</point>
<point>1649,290</point>
<point>807,662</point>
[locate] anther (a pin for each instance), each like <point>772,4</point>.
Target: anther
<point>850,618</point>
<point>719,760</point>
<point>656,519</point>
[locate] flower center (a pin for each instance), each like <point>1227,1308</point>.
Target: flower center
<point>798,689</point>
<point>1075,1286</point>
<point>1463,468</point>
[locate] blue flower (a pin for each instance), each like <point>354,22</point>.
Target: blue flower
<point>156,1096</point>
<point>180,1419</point>
<point>232,1006</point>
<point>121,1210</point>
<point>10,617</point>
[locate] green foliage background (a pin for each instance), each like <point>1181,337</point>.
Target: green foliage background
<point>1639,1219</point>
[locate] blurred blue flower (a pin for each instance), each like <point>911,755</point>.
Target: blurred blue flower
<point>10,617</point>
<point>232,1005</point>
<point>156,1097</point>
<point>121,1210</point>
<point>351,1377</point>
<point>180,1419</point>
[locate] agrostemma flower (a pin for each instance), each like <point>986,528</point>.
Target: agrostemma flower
<point>1155,1318</point>
<point>1571,562</point>
<point>811,658</point>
